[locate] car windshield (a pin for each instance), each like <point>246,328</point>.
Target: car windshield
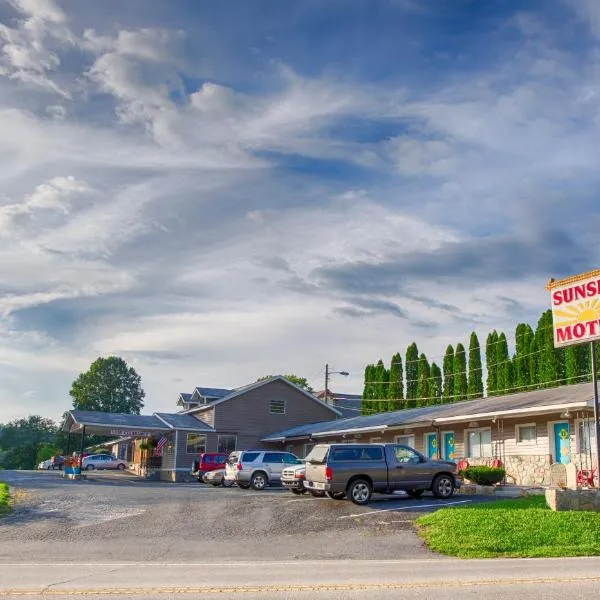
<point>318,455</point>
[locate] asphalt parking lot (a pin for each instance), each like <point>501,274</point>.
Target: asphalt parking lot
<point>117,517</point>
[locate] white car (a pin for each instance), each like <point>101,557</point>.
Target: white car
<point>45,465</point>
<point>103,461</point>
<point>217,478</point>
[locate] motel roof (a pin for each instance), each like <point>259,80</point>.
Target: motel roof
<point>531,403</point>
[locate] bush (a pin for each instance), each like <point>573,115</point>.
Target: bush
<point>485,475</point>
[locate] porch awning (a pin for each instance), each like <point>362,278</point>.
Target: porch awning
<point>122,425</point>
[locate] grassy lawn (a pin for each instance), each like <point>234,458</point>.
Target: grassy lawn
<point>4,506</point>
<point>512,528</point>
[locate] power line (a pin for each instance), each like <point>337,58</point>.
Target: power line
<point>540,385</point>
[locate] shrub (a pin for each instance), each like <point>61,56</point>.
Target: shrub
<point>485,475</point>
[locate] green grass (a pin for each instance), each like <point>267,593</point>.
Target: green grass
<point>511,528</point>
<point>4,498</point>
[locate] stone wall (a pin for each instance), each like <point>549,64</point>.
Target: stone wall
<point>559,500</point>
<point>522,470</point>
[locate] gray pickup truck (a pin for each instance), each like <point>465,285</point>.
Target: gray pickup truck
<point>358,470</point>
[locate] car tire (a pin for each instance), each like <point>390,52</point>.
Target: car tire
<point>259,481</point>
<point>415,493</point>
<point>243,486</point>
<point>317,493</point>
<point>443,486</point>
<point>335,495</point>
<point>298,491</point>
<point>121,467</point>
<point>90,468</point>
<point>226,482</point>
<point>360,491</point>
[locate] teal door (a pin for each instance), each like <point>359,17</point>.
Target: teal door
<point>562,445</point>
<point>431,445</point>
<point>449,449</point>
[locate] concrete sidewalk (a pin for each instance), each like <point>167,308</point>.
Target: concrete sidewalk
<point>206,578</point>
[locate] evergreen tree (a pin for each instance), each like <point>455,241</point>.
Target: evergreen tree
<point>490,363</point>
<point>435,384</point>
<point>411,368</point>
<point>522,363</point>
<point>475,385</point>
<point>532,361</point>
<point>396,387</point>
<point>382,378</point>
<point>366,406</point>
<point>550,360</point>
<point>503,365</point>
<point>460,374</point>
<point>577,363</point>
<point>422,381</point>
<point>448,366</point>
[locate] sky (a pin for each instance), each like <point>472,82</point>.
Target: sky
<point>218,191</point>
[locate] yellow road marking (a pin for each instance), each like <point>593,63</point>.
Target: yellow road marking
<point>319,587</point>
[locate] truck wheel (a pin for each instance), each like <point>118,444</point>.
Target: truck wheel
<point>415,493</point>
<point>298,491</point>
<point>360,491</point>
<point>258,481</point>
<point>335,495</point>
<point>443,486</point>
<point>317,493</point>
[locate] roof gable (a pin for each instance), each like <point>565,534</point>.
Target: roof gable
<point>258,384</point>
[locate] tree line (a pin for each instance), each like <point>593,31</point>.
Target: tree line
<point>535,364</point>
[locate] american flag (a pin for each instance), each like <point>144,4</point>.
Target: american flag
<point>160,445</point>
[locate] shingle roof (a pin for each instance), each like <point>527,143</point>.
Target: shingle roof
<point>185,397</point>
<point>186,422</point>
<point>572,394</point>
<point>207,392</point>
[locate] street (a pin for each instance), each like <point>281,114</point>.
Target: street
<point>116,536</point>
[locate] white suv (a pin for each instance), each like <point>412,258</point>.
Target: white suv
<point>258,468</point>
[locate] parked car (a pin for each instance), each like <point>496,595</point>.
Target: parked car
<point>45,465</point>
<point>258,468</point>
<point>206,462</point>
<point>58,462</point>
<point>358,470</point>
<point>293,477</point>
<point>103,461</point>
<point>217,478</point>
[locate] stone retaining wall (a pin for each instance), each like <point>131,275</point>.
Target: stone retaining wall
<point>522,470</point>
<point>560,500</point>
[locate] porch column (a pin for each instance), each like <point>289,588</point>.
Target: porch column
<point>175,453</point>
<point>82,448</point>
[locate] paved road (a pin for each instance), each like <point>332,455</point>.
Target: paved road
<point>550,579</point>
<point>121,518</point>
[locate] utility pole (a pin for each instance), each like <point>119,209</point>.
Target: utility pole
<point>596,406</point>
<point>326,381</point>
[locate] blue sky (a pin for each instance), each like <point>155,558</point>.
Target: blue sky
<point>221,190</point>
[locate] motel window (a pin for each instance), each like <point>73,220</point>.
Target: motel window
<point>526,434</point>
<point>195,443</point>
<point>586,436</point>
<point>277,407</point>
<point>405,440</point>
<point>480,443</point>
<point>226,443</point>
<point>307,449</point>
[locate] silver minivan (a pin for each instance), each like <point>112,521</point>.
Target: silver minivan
<point>258,468</point>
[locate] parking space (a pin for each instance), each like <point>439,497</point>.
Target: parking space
<point>114,516</point>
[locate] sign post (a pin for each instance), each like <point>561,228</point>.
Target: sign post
<point>576,320</point>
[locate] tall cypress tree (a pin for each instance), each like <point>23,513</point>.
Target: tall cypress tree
<point>577,363</point>
<point>503,366</point>
<point>490,363</point>
<point>475,384</point>
<point>448,366</point>
<point>460,374</point>
<point>366,407</point>
<point>381,386</point>
<point>396,387</point>
<point>411,368</point>
<point>422,381</point>
<point>435,384</point>
<point>524,360</point>
<point>550,360</point>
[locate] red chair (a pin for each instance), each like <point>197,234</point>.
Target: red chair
<point>463,464</point>
<point>586,477</point>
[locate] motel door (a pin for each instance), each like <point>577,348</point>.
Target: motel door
<point>431,445</point>
<point>562,443</point>
<point>449,446</point>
